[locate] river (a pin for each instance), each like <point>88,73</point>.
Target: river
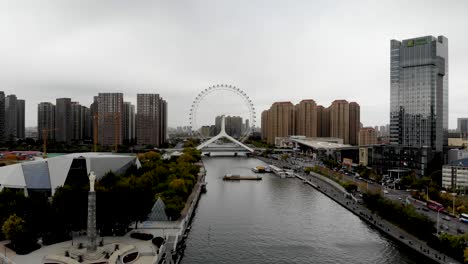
<point>279,221</point>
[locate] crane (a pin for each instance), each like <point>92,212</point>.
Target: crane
<point>45,135</point>
<point>117,128</point>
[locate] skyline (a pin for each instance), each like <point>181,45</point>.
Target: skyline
<point>274,51</point>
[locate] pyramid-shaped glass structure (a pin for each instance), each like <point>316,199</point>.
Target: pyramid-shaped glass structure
<point>158,212</point>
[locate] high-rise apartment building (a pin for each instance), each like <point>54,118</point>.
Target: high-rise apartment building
<point>339,120</point>
<point>77,121</point>
<point>87,123</point>
<point>419,92</point>
<point>46,120</point>
<point>110,110</point>
<point>11,116</point>
<point>163,127</point>
<point>129,123</point>
<point>354,123</point>
<point>14,115</point>
<point>246,127</point>
<point>462,125</point>
<point>63,120</point>
<point>281,121</point>
<point>151,120</point>
<point>20,114</point>
<point>2,116</point>
<point>306,118</point>
<point>232,125</point>
<point>218,121</point>
<point>323,121</point>
<point>264,124</point>
<point>367,136</point>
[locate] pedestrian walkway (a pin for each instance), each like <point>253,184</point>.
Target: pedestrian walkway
<point>5,253</point>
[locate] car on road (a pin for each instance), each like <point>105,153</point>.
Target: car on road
<point>385,192</point>
<point>446,218</point>
<point>425,209</point>
<point>444,227</point>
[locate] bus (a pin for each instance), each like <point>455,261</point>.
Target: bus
<point>433,205</point>
<point>464,218</point>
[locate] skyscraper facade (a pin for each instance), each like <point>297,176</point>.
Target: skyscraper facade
<point>339,120</point>
<point>87,123</point>
<point>264,124</point>
<point>354,123</point>
<point>323,121</point>
<point>77,121</point>
<point>419,92</point>
<point>129,122</point>
<point>11,116</point>
<point>2,116</point>
<point>20,115</point>
<point>281,121</point>
<point>306,118</point>
<point>63,120</point>
<point>46,120</point>
<point>109,113</point>
<point>367,136</point>
<point>462,125</point>
<point>151,120</point>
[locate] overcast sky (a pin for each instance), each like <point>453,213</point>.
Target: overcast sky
<point>273,50</point>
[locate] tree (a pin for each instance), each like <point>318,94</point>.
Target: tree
<point>436,178</point>
<point>152,156</point>
<point>350,187</point>
<point>465,254</point>
<point>14,229</point>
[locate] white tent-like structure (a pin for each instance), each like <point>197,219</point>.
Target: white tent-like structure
<point>48,174</point>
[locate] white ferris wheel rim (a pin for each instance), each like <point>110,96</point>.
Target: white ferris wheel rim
<point>220,87</point>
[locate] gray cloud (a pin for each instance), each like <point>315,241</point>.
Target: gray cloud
<point>274,50</point>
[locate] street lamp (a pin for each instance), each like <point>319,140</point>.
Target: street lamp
<point>453,207</point>
<point>440,209</point>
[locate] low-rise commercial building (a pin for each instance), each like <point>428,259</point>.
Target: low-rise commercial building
<point>455,175</point>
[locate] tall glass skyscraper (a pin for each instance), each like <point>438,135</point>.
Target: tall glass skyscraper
<point>419,92</point>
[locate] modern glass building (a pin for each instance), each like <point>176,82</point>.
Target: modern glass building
<point>462,126</point>
<point>419,92</point>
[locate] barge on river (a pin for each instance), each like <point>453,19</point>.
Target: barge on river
<point>232,177</point>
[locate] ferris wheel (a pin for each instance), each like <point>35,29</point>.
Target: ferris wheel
<point>221,87</point>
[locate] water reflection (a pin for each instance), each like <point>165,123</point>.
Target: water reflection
<point>278,221</point>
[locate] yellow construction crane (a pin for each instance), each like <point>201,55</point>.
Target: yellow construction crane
<point>117,128</point>
<point>45,135</point>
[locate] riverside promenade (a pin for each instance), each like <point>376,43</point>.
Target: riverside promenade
<point>337,193</point>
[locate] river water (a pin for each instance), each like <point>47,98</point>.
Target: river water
<point>279,221</point>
